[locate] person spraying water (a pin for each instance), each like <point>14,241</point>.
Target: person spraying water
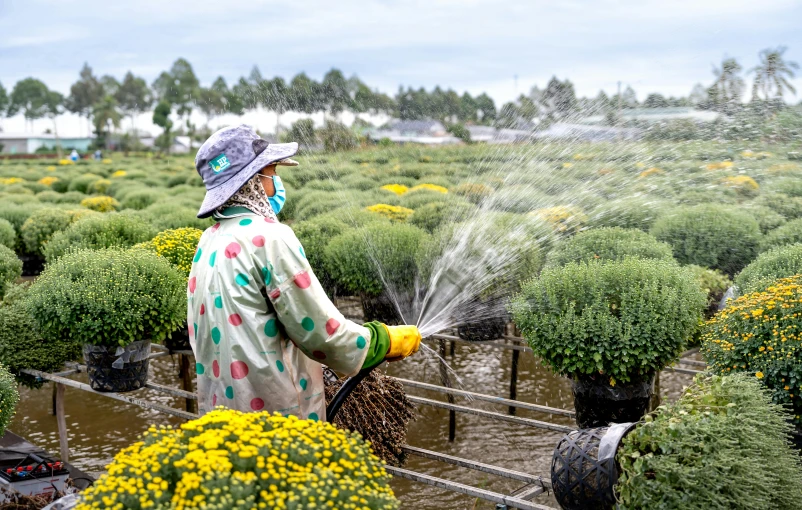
<point>260,323</point>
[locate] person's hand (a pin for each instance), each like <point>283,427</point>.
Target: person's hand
<point>404,341</point>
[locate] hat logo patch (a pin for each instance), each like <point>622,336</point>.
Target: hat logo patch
<point>219,163</point>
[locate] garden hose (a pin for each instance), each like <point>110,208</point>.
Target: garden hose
<point>348,386</point>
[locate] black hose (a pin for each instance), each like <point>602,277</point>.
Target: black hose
<point>348,386</point>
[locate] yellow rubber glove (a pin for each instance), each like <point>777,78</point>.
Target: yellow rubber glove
<point>404,341</point>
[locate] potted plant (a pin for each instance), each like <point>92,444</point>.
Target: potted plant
<point>610,326</point>
<point>291,463</point>
<point>37,230</point>
<point>98,231</point>
<point>113,302</point>
<point>9,397</point>
<point>179,247</point>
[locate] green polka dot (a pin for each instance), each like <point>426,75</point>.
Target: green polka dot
<point>266,276</point>
<point>313,417</point>
<point>279,365</point>
<point>245,221</point>
<point>308,324</point>
<point>199,369</point>
<point>212,258</point>
<point>242,279</point>
<point>215,335</point>
<point>360,342</point>
<point>230,392</point>
<point>194,329</point>
<point>301,250</point>
<point>271,328</point>
<point>303,384</point>
<point>197,255</point>
<point>218,302</point>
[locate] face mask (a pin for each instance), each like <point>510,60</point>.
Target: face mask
<point>279,197</point>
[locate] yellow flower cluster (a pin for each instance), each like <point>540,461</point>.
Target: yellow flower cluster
<point>430,187</point>
<point>756,155</point>
<point>100,186</point>
<point>581,157</point>
<point>567,165</point>
<point>51,168</point>
<point>651,171</point>
<point>398,189</point>
<point>11,180</point>
<point>49,180</point>
<point>393,212</point>
<point>66,162</point>
<point>178,246</point>
<point>107,161</point>
<point>119,173</point>
<point>101,204</point>
<point>722,165</point>
<point>742,184</point>
<point>563,218</point>
<point>761,333</point>
<point>229,459</point>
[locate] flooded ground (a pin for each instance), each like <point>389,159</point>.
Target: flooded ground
<point>99,427</point>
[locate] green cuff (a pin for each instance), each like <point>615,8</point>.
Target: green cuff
<point>379,344</point>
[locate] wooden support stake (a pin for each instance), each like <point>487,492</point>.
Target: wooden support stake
<point>61,420</point>
<point>54,399</point>
<point>446,380</point>
<point>452,348</point>
<point>514,380</point>
<point>186,381</point>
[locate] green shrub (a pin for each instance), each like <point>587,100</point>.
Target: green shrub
<point>140,199</point>
<point>414,199</point>
<point>8,237</point>
<point>337,137</point>
<point>82,183</point>
<point>43,223</point>
<point>72,197</point>
<point>758,333</point>
<point>713,283</point>
<point>164,216</point>
<point>789,233</point>
<point>722,446</point>
<point>611,243</point>
<point>22,345</point>
<point>49,196</point>
<point>178,246</point>
<point>766,217</point>
<point>714,236</point>
<point>623,319</point>
<point>787,206</point>
<point>356,216</point>
<point>95,232</point>
<point>315,235</point>
<point>430,216</point>
<point>99,187</point>
<point>781,262</point>
<point>108,297</point>
<point>17,214</point>
<point>10,267</point>
<point>355,257</point>
<point>9,397</point>
<point>638,212</point>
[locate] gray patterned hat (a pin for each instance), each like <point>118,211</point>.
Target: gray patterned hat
<point>230,157</point>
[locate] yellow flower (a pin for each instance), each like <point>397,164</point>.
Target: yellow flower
<point>759,375</point>
<point>101,204</point>
<point>431,187</point>
<point>742,184</point>
<point>398,189</point>
<point>49,180</point>
<point>119,173</point>
<point>393,212</point>
<point>719,166</point>
<point>106,161</point>
<point>11,180</point>
<point>66,162</point>
<point>563,218</point>
<point>651,171</point>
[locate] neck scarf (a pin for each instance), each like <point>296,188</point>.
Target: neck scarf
<point>251,196</point>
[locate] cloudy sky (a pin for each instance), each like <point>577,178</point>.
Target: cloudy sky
<point>473,45</point>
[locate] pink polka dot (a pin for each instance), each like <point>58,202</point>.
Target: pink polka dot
<point>215,227</point>
<point>234,319</point>
<point>239,370</point>
<point>259,241</point>
<point>232,250</point>
<point>192,283</point>
<point>331,326</point>
<point>214,400</point>
<point>269,220</point>
<point>275,294</point>
<point>303,280</point>
<point>257,404</point>
<point>216,368</point>
<point>203,309</point>
<point>319,355</point>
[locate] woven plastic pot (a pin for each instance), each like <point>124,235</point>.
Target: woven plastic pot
<point>598,404</point>
<point>583,468</point>
<point>379,308</point>
<point>179,339</point>
<point>117,369</point>
<point>32,265</point>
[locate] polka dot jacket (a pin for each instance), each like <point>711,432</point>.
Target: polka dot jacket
<point>261,324</point>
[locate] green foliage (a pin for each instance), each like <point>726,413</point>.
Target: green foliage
<point>780,262</point>
<point>108,297</point>
<point>9,397</point>
<point>631,212</point>
<point>43,223</point>
<point>624,319</point>
<point>8,237</point>
<point>99,231</point>
<point>72,197</point>
<point>713,283</point>
<point>337,137</point>
<point>140,199</point>
<point>10,267</point>
<point>766,217</point>
<point>430,216</point>
<point>354,257</point>
<point>165,216</point>
<point>16,215</point>
<point>83,182</point>
<point>612,243</point>
<point>722,446</point>
<point>787,206</point>
<point>714,236</point>
<point>789,233</point>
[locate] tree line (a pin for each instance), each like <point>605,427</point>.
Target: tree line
<point>105,101</point>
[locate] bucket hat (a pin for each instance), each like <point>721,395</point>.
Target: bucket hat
<point>230,157</point>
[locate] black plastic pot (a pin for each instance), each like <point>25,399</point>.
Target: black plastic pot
<point>583,468</point>
<point>179,339</point>
<point>379,308</point>
<point>32,265</point>
<point>598,404</point>
<point>117,369</point>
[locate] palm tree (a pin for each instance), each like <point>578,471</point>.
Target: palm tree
<point>728,85</point>
<point>773,73</point>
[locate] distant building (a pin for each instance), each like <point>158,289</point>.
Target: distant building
<point>27,143</point>
<point>489,134</point>
<point>657,115</point>
<point>428,132</point>
<point>586,133</point>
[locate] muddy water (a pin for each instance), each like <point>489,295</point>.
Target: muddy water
<point>99,427</point>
